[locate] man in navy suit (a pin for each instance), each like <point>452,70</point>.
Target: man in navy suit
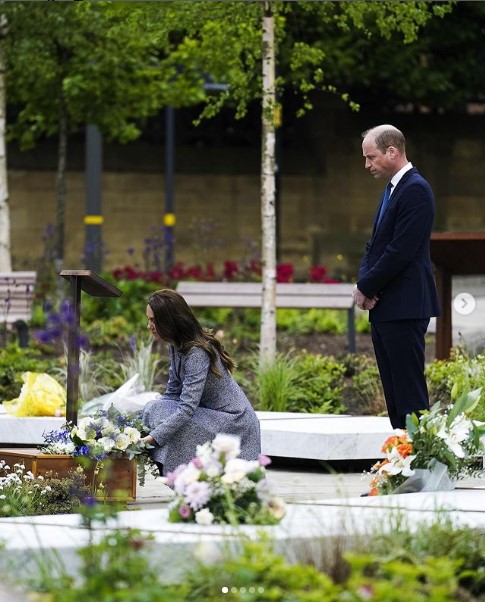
<point>395,281</point>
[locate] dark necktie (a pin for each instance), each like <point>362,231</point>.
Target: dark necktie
<point>385,201</point>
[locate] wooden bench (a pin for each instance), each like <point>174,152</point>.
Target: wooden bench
<point>288,295</point>
<point>16,298</point>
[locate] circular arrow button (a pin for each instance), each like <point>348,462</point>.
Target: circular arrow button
<point>464,303</point>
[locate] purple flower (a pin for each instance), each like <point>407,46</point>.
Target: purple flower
<point>90,501</point>
<point>264,460</point>
<point>184,511</point>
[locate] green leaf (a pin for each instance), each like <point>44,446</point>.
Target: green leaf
<point>465,404</point>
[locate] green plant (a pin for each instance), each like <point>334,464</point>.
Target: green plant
<point>299,382</point>
<point>22,494</point>
<point>442,538</point>
<point>93,375</point>
<point>65,495</point>
<point>14,361</point>
<point>363,395</point>
<point>141,360</point>
<point>109,331</point>
<point>274,384</point>
<point>257,572</point>
<point>319,384</point>
<point>117,569</point>
<point>460,373</point>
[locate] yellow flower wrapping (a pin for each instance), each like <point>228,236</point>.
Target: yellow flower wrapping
<point>41,395</point>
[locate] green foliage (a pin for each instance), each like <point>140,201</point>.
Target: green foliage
<point>22,494</point>
<point>109,331</point>
<point>94,375</point>
<point>299,383</point>
<point>364,394</point>
<point>297,321</point>
<point>142,361</point>
<point>437,563</point>
<point>114,570</point>
<point>442,538</point>
<point>131,304</point>
<point>13,362</point>
<point>66,495</point>
<point>457,375</point>
<point>258,573</point>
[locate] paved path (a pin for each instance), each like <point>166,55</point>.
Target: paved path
<point>293,484</point>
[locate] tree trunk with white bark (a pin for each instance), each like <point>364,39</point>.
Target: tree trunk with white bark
<point>268,193</point>
<point>5,255</point>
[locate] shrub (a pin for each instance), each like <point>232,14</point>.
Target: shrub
<point>22,494</point>
<point>458,374</point>
<point>13,362</point>
<point>363,395</point>
<point>442,538</point>
<point>299,383</point>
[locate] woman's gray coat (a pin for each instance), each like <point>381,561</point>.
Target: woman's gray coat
<point>196,406</point>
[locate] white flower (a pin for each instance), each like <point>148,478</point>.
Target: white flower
<point>214,469</point>
<point>204,517</point>
<point>80,433</point>
<point>229,445</point>
<point>122,441</point>
<point>236,469</point>
<point>264,491</point>
<point>133,434</point>
<point>197,494</point>
<point>205,453</point>
<point>458,432</point>
<point>276,508</point>
<point>397,464</point>
<point>107,443</point>
<point>190,474</point>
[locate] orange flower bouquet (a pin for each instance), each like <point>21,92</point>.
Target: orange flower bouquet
<point>436,449</point>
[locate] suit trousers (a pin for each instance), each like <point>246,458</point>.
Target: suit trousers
<point>399,347</point>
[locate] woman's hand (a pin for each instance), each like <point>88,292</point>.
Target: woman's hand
<point>149,440</point>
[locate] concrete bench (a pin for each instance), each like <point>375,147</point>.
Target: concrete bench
<point>16,298</point>
<point>288,295</point>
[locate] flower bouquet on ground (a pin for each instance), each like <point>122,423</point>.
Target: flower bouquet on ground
<point>436,449</point>
<point>217,487</point>
<point>105,434</point>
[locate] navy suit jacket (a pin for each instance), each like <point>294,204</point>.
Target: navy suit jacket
<point>396,265</point>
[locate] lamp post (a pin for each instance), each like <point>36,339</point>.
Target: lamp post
<point>169,216</point>
<point>93,218</point>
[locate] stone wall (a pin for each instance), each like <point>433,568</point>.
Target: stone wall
<point>327,199</point>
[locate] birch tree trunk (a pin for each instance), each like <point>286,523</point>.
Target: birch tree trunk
<point>5,256</point>
<point>268,193</point>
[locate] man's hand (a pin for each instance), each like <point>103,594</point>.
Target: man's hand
<point>362,301</point>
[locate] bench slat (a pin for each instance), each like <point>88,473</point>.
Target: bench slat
<point>288,295</point>
<point>16,296</point>
<point>249,294</point>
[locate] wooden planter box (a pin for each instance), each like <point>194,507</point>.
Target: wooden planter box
<point>117,475</point>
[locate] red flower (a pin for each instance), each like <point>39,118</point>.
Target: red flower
<point>285,272</point>
<point>231,269</point>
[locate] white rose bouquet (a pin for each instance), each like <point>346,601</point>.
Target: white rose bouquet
<point>217,487</point>
<point>108,433</point>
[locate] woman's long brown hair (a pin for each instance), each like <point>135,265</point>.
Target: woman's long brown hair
<point>175,322</point>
